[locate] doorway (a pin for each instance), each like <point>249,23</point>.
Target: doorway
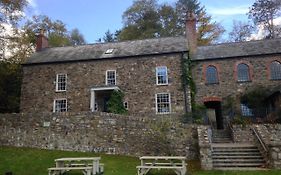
<point>214,112</point>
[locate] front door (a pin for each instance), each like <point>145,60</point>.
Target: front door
<point>105,104</point>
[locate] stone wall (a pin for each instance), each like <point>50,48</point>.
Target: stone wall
<point>228,85</point>
<point>271,136</point>
<point>204,139</point>
<point>100,132</point>
<point>135,76</point>
<point>242,134</point>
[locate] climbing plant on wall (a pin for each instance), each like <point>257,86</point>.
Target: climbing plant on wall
<point>115,103</point>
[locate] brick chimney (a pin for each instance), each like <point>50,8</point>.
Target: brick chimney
<point>42,41</point>
<point>190,32</point>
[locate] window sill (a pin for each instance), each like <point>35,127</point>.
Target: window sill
<point>244,81</point>
<point>162,84</point>
<point>60,90</point>
<point>211,84</point>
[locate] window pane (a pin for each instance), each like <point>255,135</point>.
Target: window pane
<point>163,103</point>
<point>61,82</point>
<point>275,70</point>
<point>245,110</point>
<point>61,105</point>
<point>111,78</point>
<point>243,73</point>
<point>161,73</point>
<point>211,75</point>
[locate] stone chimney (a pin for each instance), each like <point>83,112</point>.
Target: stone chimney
<point>42,41</point>
<point>190,32</point>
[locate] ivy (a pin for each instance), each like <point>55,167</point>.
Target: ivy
<point>115,103</point>
<point>187,79</point>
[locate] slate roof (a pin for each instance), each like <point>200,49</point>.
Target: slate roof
<point>121,49</point>
<point>154,46</point>
<point>228,50</point>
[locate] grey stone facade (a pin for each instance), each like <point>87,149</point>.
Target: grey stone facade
<point>135,77</point>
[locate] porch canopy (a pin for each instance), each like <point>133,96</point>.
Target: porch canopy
<point>100,97</point>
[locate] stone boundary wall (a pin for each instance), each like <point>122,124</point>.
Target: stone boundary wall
<point>100,132</point>
<point>271,136</point>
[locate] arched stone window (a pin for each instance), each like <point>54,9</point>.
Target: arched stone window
<point>211,75</point>
<point>275,70</point>
<point>243,72</point>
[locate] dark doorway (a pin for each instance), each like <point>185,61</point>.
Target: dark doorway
<point>105,103</point>
<point>216,107</point>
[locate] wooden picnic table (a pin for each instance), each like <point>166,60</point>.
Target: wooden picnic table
<point>176,163</point>
<point>88,165</point>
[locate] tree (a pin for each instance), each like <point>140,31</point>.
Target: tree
<point>241,31</point>
<point>141,21</point>
<point>147,19</point>
<point>263,12</point>
<point>76,38</point>
<point>10,86</point>
<point>207,31</point>
<point>55,30</point>
<point>10,13</point>
<point>110,37</point>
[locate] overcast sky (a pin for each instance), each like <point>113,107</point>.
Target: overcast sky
<point>94,17</point>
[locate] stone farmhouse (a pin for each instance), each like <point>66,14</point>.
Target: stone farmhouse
<point>149,73</point>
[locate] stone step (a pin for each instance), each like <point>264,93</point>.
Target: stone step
<point>238,161</point>
<point>240,168</point>
<point>218,165</point>
<point>237,156</point>
<point>235,150</point>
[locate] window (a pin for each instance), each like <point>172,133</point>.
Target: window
<point>163,103</point>
<point>245,110</point>
<point>161,75</point>
<point>110,77</point>
<point>96,107</point>
<point>61,80</point>
<point>60,105</point>
<point>243,74</point>
<point>211,75</point>
<point>109,51</point>
<point>275,70</point>
<point>126,105</point>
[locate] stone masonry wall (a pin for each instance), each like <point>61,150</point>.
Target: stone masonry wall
<point>228,85</point>
<point>271,136</point>
<point>243,134</point>
<point>100,132</point>
<point>136,77</point>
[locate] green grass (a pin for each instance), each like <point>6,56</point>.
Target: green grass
<point>27,161</point>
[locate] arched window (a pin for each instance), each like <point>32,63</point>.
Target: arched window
<point>275,70</point>
<point>211,75</point>
<point>243,73</point>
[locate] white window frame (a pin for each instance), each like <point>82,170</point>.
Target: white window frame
<point>156,104</point>
<point>157,82</point>
<point>54,105</point>
<point>126,105</point>
<point>57,83</point>
<point>106,77</point>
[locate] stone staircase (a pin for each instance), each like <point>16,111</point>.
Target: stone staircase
<point>231,156</point>
<point>227,155</point>
<point>221,136</point>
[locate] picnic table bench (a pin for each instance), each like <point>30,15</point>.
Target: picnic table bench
<point>88,165</point>
<point>175,163</point>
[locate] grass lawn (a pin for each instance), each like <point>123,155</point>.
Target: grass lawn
<point>26,161</point>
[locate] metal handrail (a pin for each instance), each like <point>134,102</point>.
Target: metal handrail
<point>259,139</point>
